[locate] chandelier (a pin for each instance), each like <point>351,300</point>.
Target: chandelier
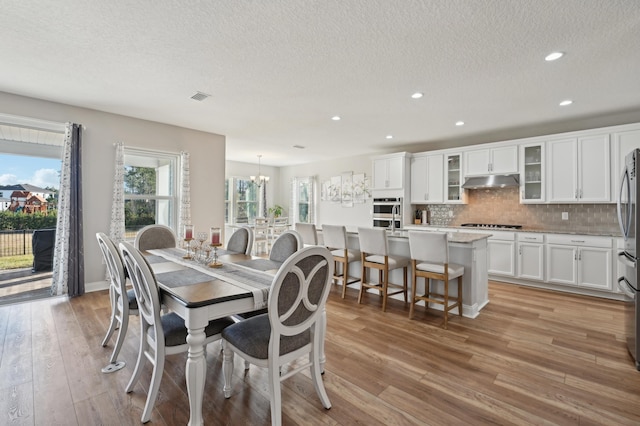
<point>260,179</point>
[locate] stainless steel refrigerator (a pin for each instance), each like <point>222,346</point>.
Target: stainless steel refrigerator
<point>628,218</point>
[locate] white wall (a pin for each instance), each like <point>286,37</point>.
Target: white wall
<point>102,130</point>
<point>327,212</point>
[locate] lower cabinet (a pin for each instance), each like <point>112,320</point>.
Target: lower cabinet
<point>582,261</point>
<point>501,248</point>
<point>531,256</point>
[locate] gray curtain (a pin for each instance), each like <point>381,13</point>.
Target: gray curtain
<point>68,258</point>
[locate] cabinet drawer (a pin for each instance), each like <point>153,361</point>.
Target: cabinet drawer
<point>580,240</point>
<point>501,236</point>
<point>530,238</point>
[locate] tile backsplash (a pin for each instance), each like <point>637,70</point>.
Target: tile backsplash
<point>502,205</point>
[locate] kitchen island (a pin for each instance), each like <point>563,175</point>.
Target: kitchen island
<point>467,249</point>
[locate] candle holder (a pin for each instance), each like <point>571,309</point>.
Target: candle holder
<point>214,238</point>
<point>188,236</point>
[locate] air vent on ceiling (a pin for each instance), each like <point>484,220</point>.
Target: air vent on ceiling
<point>199,96</point>
<point>298,146</point>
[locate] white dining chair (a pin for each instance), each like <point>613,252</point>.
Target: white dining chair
<point>123,301</point>
<point>430,260</point>
<point>289,330</point>
<point>261,236</point>
<point>160,335</point>
<point>155,237</point>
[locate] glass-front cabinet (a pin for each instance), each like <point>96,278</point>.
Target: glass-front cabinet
<point>454,191</point>
<point>532,173</point>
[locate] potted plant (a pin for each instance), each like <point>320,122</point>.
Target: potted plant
<point>276,211</point>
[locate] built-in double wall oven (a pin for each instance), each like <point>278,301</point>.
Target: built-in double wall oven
<point>386,211</point>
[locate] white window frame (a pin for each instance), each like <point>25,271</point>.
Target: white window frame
<point>232,201</point>
<point>167,179</point>
<point>296,201</point>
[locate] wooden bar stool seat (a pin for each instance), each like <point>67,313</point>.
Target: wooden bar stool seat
<point>335,239</point>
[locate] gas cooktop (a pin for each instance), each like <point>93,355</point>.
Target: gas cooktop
<point>491,226</point>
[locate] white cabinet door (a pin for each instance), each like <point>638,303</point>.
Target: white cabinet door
<point>579,170</point>
<point>504,160</point>
<point>395,172</point>
<point>562,171</point>
<point>380,173</point>
<point>435,178</point>
<point>624,143</point>
<point>501,257</point>
<point>531,261</point>
<point>561,264</point>
<point>594,268</point>
<point>594,177</point>
<point>477,162</point>
<point>419,188</point>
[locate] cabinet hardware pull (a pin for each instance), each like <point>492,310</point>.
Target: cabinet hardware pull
<point>577,241</point>
<point>529,238</point>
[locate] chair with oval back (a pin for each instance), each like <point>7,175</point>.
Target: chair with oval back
<point>160,335</point>
<point>241,241</point>
<point>123,301</point>
<point>155,237</point>
<point>289,330</point>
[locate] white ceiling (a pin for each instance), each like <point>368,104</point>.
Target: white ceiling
<point>278,70</point>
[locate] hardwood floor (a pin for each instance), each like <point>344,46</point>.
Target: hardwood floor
<point>531,357</point>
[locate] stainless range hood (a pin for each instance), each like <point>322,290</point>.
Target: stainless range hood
<point>492,181</point>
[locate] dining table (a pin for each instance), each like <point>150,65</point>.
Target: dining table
<point>199,293</point>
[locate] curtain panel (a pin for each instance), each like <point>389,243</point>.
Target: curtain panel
<point>68,257</point>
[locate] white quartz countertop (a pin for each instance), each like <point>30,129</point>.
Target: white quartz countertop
<point>454,237</point>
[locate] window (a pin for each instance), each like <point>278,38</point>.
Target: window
<point>150,189</point>
<point>241,202</point>
<point>303,199</point>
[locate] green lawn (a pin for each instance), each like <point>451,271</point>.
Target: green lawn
<point>15,262</point>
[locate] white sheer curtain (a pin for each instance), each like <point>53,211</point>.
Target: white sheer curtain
<point>116,229</point>
<point>68,255</point>
<point>184,217</point>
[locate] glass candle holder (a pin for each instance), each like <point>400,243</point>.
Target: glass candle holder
<point>214,236</point>
<point>188,232</point>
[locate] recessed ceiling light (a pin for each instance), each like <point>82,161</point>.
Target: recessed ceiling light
<point>389,136</point>
<point>553,56</point>
<point>417,95</point>
<point>336,118</point>
<point>459,123</point>
<point>566,102</point>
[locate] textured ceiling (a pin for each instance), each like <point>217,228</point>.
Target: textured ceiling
<point>278,70</point>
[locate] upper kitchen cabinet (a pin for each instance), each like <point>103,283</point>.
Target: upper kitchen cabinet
<point>532,173</point>
<point>623,143</point>
<point>391,175</point>
<point>427,178</point>
<point>578,170</point>
<point>453,167</point>
<point>497,160</point>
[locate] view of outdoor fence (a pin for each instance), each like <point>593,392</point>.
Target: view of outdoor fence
<point>15,242</point>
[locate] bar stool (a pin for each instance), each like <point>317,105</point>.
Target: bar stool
<point>308,233</point>
<point>335,239</point>
<point>374,250</point>
<point>430,260</point>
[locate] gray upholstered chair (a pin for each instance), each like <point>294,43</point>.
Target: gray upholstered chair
<point>308,233</point>
<point>374,254</point>
<point>123,301</point>
<point>155,237</point>
<point>430,259</point>
<point>290,329</point>
<point>160,335</point>
<point>287,243</point>
<point>241,241</point>
<point>335,239</point>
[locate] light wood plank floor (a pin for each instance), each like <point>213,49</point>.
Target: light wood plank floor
<point>531,357</point>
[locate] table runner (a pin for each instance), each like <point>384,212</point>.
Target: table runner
<point>258,283</point>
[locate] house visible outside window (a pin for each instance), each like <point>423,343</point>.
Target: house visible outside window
<point>241,200</point>
<point>303,199</point>
<point>150,189</point>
